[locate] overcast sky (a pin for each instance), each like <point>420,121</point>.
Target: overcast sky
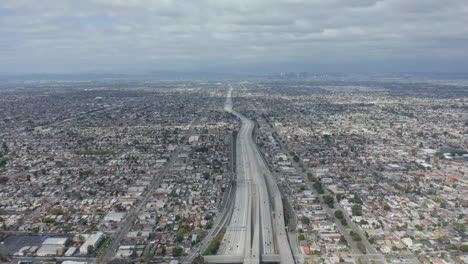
<point>62,36</point>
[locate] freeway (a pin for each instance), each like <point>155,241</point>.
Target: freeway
<point>257,227</point>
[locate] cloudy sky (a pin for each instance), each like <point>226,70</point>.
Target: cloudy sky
<point>62,36</point>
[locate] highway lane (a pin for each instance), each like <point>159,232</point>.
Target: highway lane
<point>254,231</point>
<point>238,232</point>
<point>262,198</point>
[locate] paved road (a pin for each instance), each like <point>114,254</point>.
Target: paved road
<point>254,229</point>
<point>127,223</point>
<point>220,222</point>
<point>377,257</point>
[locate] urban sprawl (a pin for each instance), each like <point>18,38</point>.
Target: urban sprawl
<point>369,170</point>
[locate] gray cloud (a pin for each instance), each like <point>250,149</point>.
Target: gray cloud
<point>115,35</point>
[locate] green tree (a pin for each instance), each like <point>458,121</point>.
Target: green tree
<point>47,220</point>
<point>177,252</point>
<point>301,237</point>
<point>296,159</point>
<point>440,155</point>
<point>5,147</point>
<point>344,222</point>
<point>318,187</point>
<point>357,199</point>
<point>355,236</point>
<point>339,214</point>
<point>361,247</point>
<point>198,260</point>
<point>90,249</point>
<point>182,231</point>
<point>328,200</point>
<point>56,211</point>
<point>464,248</point>
<point>3,161</point>
<point>356,210</point>
<point>339,197</point>
<point>343,240</point>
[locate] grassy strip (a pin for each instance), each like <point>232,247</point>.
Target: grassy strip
<point>361,247</point>
<point>103,245</point>
<point>212,249</point>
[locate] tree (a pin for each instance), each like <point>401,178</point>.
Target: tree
<point>355,236</point>
<point>328,200</point>
<point>464,248</point>
<point>47,220</point>
<point>361,247</point>
<point>56,211</point>
<point>356,210</point>
<point>3,161</point>
<point>344,222</point>
<point>301,237</point>
<point>305,220</point>
<point>357,199</point>
<point>339,214</point>
<point>90,249</point>
<point>198,260</point>
<point>318,187</point>
<point>440,155</point>
<point>296,159</point>
<point>182,231</point>
<point>343,240</point>
<point>177,252</point>
<point>339,197</point>
<point>5,147</point>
